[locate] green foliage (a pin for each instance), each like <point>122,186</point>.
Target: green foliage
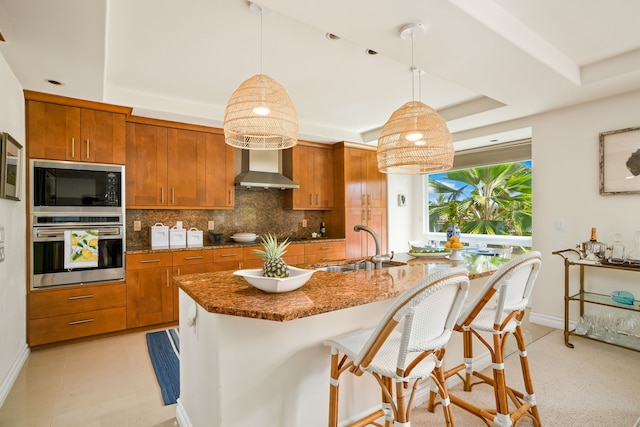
<point>491,200</point>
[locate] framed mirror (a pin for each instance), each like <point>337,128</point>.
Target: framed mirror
<point>10,167</point>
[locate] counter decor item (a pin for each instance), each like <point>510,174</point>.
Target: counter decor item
<point>623,297</point>
<point>274,265</point>
<point>244,237</point>
<point>177,237</point>
<point>297,277</point>
<point>592,249</point>
<point>194,238</point>
<point>215,237</point>
<point>159,236</point>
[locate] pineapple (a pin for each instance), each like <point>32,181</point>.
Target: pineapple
<point>274,265</point>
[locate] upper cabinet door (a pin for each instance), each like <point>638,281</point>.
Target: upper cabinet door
<point>219,172</point>
<point>312,168</point>
<point>53,131</point>
<point>146,168</point>
<point>186,168</point>
<point>60,132</point>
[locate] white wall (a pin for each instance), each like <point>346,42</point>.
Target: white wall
<point>565,154</point>
<point>13,350</point>
<point>404,222</point>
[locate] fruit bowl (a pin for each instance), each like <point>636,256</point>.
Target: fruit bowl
<point>244,237</point>
<point>297,278</point>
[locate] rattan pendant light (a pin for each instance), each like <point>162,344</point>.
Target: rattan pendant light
<point>415,139</point>
<point>260,114</point>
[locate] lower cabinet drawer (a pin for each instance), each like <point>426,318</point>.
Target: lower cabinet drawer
<point>323,257</point>
<point>60,328</point>
<point>77,299</point>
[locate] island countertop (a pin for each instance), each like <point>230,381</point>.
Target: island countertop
<point>225,293</point>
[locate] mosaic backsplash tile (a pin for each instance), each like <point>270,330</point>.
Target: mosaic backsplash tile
<point>256,211</point>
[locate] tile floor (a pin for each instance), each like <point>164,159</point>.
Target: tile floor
<point>106,382</point>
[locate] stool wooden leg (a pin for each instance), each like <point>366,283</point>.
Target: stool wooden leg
<point>526,374</point>
<point>467,342</point>
<point>500,383</point>
<point>333,391</point>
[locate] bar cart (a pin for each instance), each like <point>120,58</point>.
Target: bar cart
<point>630,340</point>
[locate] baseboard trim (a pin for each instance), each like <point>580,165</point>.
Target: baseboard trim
<point>550,321</point>
<point>14,371</point>
<point>181,415</point>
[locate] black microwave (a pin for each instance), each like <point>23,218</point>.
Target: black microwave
<point>73,186</point>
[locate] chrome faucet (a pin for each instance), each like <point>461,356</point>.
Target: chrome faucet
<point>378,258</point>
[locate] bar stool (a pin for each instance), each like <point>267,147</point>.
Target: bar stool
<point>513,283</point>
<point>408,354</point>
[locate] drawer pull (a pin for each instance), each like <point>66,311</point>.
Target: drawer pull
<point>79,322</point>
<point>81,297</point>
<point>193,257</point>
<point>325,259</point>
<point>325,248</point>
<point>145,261</point>
<point>168,278</point>
<point>227,255</point>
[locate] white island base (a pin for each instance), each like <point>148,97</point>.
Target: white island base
<point>244,372</point>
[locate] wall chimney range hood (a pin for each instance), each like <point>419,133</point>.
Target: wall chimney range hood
<point>261,169</point>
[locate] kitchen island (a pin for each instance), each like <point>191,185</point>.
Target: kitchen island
<point>249,358</point>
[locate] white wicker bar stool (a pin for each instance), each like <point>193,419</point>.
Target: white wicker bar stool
<point>510,287</point>
<point>428,310</point>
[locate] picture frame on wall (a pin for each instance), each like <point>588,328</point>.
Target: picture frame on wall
<point>10,167</point>
<point>620,161</point>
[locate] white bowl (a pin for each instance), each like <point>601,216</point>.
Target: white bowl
<point>244,237</point>
<point>297,278</point>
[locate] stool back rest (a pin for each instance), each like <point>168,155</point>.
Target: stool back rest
<point>513,283</point>
<point>429,310</point>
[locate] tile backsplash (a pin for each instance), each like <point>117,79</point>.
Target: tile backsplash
<point>256,211</point>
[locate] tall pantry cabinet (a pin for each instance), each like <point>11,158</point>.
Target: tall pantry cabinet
<point>360,198</point>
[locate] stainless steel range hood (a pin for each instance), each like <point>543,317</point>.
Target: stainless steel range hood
<point>261,169</point>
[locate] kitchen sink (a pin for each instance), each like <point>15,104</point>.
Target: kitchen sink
<point>345,268</point>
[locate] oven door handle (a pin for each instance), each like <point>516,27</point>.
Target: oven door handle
<point>57,233</point>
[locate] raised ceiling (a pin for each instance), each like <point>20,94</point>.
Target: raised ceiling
<point>484,61</point>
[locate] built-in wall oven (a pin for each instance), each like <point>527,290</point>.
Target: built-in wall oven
<point>71,197</point>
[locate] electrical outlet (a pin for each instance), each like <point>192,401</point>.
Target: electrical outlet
<point>1,253</point>
<point>210,225</point>
<point>304,222</point>
<point>137,225</point>
<point>1,234</point>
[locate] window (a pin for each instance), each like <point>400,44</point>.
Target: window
<point>491,204</point>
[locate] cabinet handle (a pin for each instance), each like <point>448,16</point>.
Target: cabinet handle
<point>193,257</point>
<point>168,278</point>
<point>317,199</point>
<point>368,199</point>
<point>87,148</point>
<point>78,322</point>
<point>178,271</point>
<point>325,248</point>
<point>173,195</point>
<point>230,198</point>
<point>162,195</point>
<point>369,214</point>
<point>144,261</point>
<point>363,216</point>
<point>325,259</point>
<point>73,148</point>
<point>227,255</point>
<point>310,199</point>
<point>364,200</point>
<point>81,297</point>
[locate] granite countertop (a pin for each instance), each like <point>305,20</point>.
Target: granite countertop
<point>226,244</point>
<point>225,293</point>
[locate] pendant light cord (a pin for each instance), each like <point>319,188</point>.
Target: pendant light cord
<point>261,41</point>
<point>413,89</point>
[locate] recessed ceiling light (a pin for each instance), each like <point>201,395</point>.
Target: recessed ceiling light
<point>331,36</point>
<point>54,82</point>
<point>370,52</point>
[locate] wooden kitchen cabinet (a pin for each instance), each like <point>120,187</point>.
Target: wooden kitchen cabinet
<point>189,262</point>
<point>361,198</point>
<point>149,289</point>
<point>323,252</point>
<point>77,311</point>
<point>311,166</point>
<point>178,168</point>
<point>57,131</point>
<point>228,259</point>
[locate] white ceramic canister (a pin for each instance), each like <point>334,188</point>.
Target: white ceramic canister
<point>194,238</point>
<point>177,237</point>
<point>159,236</point>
